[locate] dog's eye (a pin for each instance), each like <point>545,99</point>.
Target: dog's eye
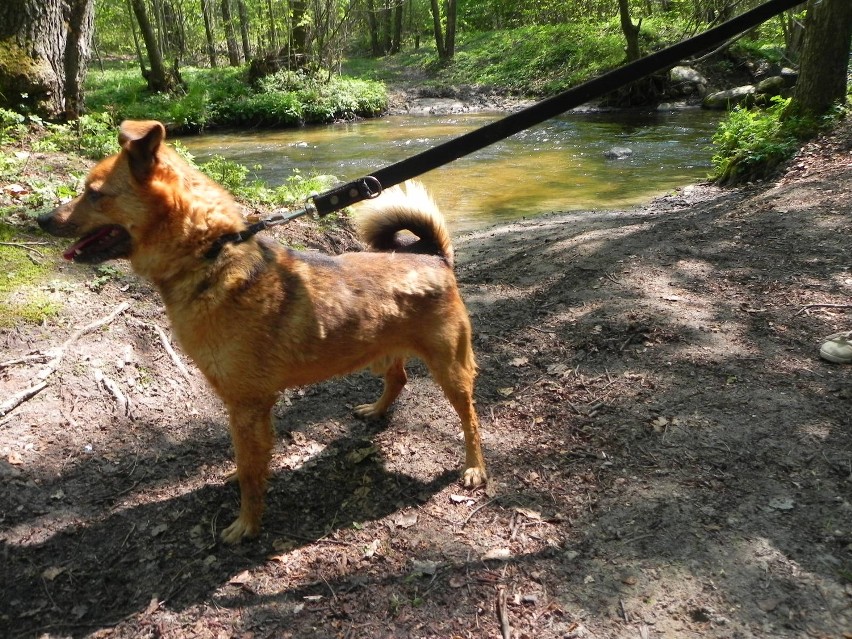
<point>93,195</point>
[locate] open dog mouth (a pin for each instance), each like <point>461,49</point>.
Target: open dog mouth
<point>102,244</point>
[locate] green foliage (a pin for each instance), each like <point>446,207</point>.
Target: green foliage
<point>223,98</point>
<point>753,142</point>
<point>91,136</point>
<point>239,180</point>
<point>12,126</point>
<point>536,60</point>
<point>229,174</point>
<point>104,273</point>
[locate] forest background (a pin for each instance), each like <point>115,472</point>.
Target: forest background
<point>202,64</point>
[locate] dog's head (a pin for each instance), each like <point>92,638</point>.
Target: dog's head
<point>122,191</point>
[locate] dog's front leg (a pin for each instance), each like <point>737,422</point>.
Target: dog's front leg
<point>253,438</point>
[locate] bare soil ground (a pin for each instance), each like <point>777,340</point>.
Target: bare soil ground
<point>669,455</point>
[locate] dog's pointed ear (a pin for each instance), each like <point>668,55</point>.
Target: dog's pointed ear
<point>141,140</point>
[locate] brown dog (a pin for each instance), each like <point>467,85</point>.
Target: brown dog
<point>257,317</point>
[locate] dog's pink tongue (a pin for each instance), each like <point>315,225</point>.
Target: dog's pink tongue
<point>79,246</point>
<point>75,249</point>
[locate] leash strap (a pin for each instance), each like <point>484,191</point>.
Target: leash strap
<point>370,186</point>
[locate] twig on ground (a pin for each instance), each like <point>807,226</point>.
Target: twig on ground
<point>27,246</point>
<point>503,614</point>
<point>24,359</point>
<point>20,397</point>
<point>478,508</point>
<point>810,306</point>
<point>171,352</point>
<point>55,356</point>
<point>112,386</point>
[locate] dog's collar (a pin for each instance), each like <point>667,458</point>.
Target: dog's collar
<point>234,238</point>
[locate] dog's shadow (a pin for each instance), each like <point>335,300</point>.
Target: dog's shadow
<point>112,560</point>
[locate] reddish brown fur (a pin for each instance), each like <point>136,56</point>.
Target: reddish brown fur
<point>260,318</point>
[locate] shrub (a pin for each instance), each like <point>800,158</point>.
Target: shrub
<point>752,142</point>
<point>91,136</point>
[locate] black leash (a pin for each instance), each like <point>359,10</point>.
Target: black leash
<point>372,185</point>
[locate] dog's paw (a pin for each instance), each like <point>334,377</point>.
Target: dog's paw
<point>239,530</point>
<point>474,477</point>
<point>368,411</point>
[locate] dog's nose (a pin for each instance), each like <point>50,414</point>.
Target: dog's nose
<point>44,221</point>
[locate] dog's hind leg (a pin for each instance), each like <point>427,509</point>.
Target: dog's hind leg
<point>253,438</point>
<point>395,380</point>
<point>455,375</point>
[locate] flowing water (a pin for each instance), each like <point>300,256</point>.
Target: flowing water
<point>557,166</point>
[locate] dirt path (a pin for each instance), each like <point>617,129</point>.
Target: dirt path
<point>670,457</point>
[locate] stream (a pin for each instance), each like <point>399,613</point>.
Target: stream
<point>559,165</point>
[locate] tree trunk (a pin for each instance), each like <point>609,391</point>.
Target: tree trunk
<point>273,34</point>
<point>230,35</point>
<point>630,30</point>
<point>44,51</point>
<point>77,50</point>
<point>373,25</point>
<point>244,29</point>
<point>450,36</point>
<point>387,29</point>
<point>439,35</point>
<point>825,56</point>
<point>157,77</point>
<point>208,31</point>
<point>299,28</point>
<point>396,39</point>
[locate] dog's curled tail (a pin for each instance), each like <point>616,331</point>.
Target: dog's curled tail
<point>408,208</point>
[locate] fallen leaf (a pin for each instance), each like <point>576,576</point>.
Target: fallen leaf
<point>556,369</point>
<point>52,573</point>
<point>529,513</point>
<point>405,520</point>
<point>359,455</point>
<point>500,554</point>
<point>457,582</point>
<point>462,499</point>
<point>424,567</point>
<point>781,503</point>
<point>15,459</point>
<point>506,391</point>
<point>520,361</point>
<point>371,549</point>
<point>240,578</point>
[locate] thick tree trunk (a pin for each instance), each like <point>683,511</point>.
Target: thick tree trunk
<point>230,34</point>
<point>44,51</point>
<point>396,39</point>
<point>825,57</point>
<point>450,39</point>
